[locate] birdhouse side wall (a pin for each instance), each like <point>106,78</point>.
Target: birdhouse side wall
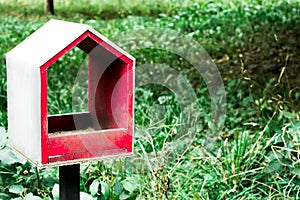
<point>24,110</point>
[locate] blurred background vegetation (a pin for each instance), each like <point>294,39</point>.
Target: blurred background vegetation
<point>255,45</point>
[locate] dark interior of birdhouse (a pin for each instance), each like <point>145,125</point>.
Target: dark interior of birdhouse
<point>89,95</point>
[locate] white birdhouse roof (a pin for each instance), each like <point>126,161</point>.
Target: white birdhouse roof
<point>50,39</point>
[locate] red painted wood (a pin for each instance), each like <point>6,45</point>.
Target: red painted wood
<point>44,95</point>
<point>110,92</point>
<point>117,77</point>
<point>87,145</point>
<point>111,49</point>
<point>130,98</point>
<point>111,110</point>
<point>98,68</point>
<point>44,116</point>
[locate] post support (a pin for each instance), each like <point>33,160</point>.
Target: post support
<point>69,182</point>
<point>50,7</point>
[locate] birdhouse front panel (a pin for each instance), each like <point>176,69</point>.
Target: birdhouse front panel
<point>105,130</point>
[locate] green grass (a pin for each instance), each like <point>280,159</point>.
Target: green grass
<point>93,9</point>
<point>256,48</point>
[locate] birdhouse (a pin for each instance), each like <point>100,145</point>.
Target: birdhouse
<point>105,130</point>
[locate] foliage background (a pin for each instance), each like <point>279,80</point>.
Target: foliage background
<point>255,45</point>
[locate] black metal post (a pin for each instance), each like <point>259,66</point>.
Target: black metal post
<point>50,7</point>
<point>69,182</point>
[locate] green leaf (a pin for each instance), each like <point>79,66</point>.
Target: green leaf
<point>197,196</point>
<point>208,177</point>
<point>30,196</point>
<point>85,196</point>
<point>55,192</point>
<point>118,188</point>
<point>105,189</point>
<point>130,185</point>
<point>287,114</point>
<point>3,137</point>
<point>94,187</point>
<point>296,171</point>
<point>124,196</point>
<point>16,189</point>
<point>8,157</point>
<point>274,165</point>
<point>4,196</point>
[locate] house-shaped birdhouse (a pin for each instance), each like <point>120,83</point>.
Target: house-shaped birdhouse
<point>104,130</point>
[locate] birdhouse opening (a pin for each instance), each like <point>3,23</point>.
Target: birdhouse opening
<point>68,83</point>
<point>87,90</point>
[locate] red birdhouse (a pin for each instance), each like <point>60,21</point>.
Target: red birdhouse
<point>104,131</point>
